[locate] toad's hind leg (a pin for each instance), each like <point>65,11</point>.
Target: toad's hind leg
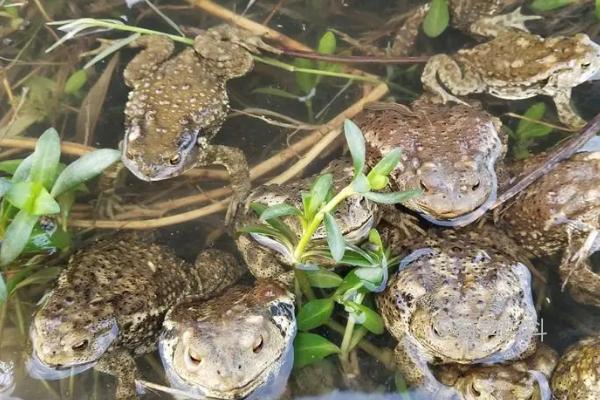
<point>216,270</point>
<point>492,26</point>
<point>157,50</point>
<point>234,160</point>
<point>442,68</point>
<point>566,113</point>
<point>405,37</point>
<point>231,49</point>
<point>122,366</point>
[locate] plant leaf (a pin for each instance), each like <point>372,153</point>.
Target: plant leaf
<point>3,293</point>
<point>393,197</point>
<point>306,82</point>
<point>356,145</point>
<point>375,238</point>
<point>45,158</point>
<point>386,164</point>
<point>16,236</point>
<point>323,278</point>
<point>360,184</point>
<point>44,204</point>
<point>21,194</point>
<point>309,348</point>
<point>327,45</point>
<point>437,18</point>
<point>549,5</point>
<point>527,130</point>
<point>368,318</point>
<point>23,170</point>
<point>5,186</point>
<point>314,314</point>
<point>318,192</point>
<point>9,166</point>
<point>273,91</point>
<point>75,81</point>
<point>279,210</point>
<point>42,276</point>
<point>84,168</point>
<point>335,239</point>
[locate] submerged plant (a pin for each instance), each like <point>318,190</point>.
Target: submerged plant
<point>368,264</point>
<point>39,187</point>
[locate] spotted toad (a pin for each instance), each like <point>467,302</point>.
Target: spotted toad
<point>577,375</point>
<point>109,303</point>
<point>237,345</point>
<point>516,65</point>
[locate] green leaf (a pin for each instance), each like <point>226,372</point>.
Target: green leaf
<point>393,197</point>
<point>76,81</point>
<point>23,170</point>
<point>597,10</point>
<point>16,236</point>
<point>22,195</point>
<point>323,278</point>
<point>318,193</point>
<point>5,186</point>
<point>279,210</point>
<point>360,184</point>
<point>45,158</point>
<point>356,145</point>
<point>370,274</point>
<point>368,318</point>
<point>276,223</point>
<point>437,18</point>
<point>47,236</point>
<point>9,166</point>
<point>44,204</point>
<point>327,43</point>
<point>378,182</point>
<point>527,130</point>
<point>375,238</point>
<point>3,292</point>
<point>314,314</point>
<point>549,5</point>
<point>386,164</point>
<point>309,348</point>
<point>306,82</point>
<point>350,282</point>
<point>83,169</point>
<point>42,276</point>
<point>335,239</point>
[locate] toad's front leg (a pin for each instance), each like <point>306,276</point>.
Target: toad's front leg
<point>493,26</point>
<point>413,366</point>
<point>122,366</point>
<point>443,68</point>
<point>566,113</point>
<point>234,160</point>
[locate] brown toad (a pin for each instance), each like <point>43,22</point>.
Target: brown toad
<point>518,380</point>
<point>463,13</point>
<point>178,104</point>
<point>237,345</point>
<point>456,301</point>
<point>516,65</point>
<point>577,375</point>
<point>449,152</point>
<point>109,303</point>
<point>561,211</point>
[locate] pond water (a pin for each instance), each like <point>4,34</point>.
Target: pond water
<point>35,98</point>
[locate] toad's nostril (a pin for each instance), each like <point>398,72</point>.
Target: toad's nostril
<point>423,186</point>
<point>258,345</point>
<point>476,186</point>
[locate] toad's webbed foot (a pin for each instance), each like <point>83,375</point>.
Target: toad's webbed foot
<point>122,366</point>
<point>234,160</point>
<point>443,67</point>
<point>216,270</point>
<point>109,202</point>
<point>576,270</point>
<point>566,113</point>
<point>231,49</point>
<point>157,49</point>
<point>492,26</point>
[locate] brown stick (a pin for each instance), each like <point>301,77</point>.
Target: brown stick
<point>356,59</point>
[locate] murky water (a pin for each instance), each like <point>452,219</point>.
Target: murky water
<point>564,320</point>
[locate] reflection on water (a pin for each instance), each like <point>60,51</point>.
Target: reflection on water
<point>565,321</point>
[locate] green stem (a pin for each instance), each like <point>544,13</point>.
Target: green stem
<point>318,218</point>
<point>304,284</point>
<point>347,340</point>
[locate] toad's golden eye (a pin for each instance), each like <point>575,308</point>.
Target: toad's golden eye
<point>257,345</point>
<point>174,160</point>
<point>194,357</point>
<point>80,346</point>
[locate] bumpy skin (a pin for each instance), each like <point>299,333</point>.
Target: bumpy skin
<point>562,211</point>
<point>519,380</point>
<point>577,375</point>
<point>516,65</point>
<point>447,151</point>
<point>177,104</point>
<point>109,303</point>
<point>463,13</point>
<point>454,301</point>
<point>355,217</point>
<point>233,346</point>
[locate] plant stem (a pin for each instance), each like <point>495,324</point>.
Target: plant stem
<point>347,340</point>
<point>318,218</point>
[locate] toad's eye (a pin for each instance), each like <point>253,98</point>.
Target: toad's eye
<point>257,345</point>
<point>175,159</point>
<point>80,346</point>
<point>194,357</point>
<point>586,64</point>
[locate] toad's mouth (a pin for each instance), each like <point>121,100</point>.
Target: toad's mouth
<point>38,369</point>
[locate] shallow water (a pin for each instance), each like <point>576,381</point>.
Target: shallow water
<point>564,321</point>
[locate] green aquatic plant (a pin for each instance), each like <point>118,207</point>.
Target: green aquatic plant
<point>529,130</point>
<point>39,187</point>
<point>368,264</point>
<point>437,18</point>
